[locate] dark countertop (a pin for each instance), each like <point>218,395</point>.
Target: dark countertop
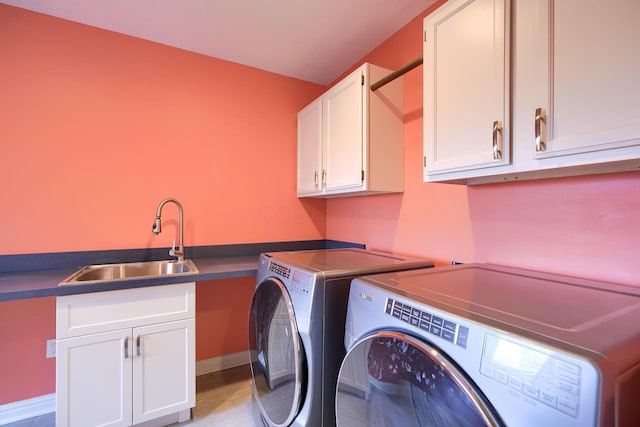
<point>38,275</point>
<point>44,283</point>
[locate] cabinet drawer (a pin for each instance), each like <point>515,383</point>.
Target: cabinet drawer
<point>104,311</point>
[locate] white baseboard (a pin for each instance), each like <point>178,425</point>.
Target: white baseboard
<point>28,408</point>
<point>221,363</point>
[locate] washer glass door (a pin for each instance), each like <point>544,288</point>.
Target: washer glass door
<point>277,358</point>
<point>390,378</point>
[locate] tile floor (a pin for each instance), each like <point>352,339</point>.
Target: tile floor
<point>223,399</point>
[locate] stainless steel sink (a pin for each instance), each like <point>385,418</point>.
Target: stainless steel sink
<point>126,271</point>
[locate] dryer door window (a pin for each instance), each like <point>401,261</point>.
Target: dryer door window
<point>390,378</point>
<point>277,359</point>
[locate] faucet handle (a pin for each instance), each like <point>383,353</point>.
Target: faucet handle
<point>172,251</point>
<point>156,228</point>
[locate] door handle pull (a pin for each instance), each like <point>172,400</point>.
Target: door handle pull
<point>497,141</point>
<point>540,130</point>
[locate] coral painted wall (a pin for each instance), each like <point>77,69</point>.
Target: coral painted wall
<point>97,127</point>
<point>222,317</point>
<point>583,226</point>
<point>24,329</point>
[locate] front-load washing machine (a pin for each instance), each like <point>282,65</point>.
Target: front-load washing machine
<point>296,329</point>
<point>482,345</point>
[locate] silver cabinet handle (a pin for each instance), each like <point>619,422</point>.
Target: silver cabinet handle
<point>540,130</point>
<point>324,178</point>
<point>497,140</point>
<point>138,345</point>
<point>126,347</point>
<point>315,179</point>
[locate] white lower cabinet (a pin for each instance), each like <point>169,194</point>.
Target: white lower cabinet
<point>128,375</point>
<point>93,380</point>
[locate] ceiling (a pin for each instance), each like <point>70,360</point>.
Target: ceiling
<point>312,40</point>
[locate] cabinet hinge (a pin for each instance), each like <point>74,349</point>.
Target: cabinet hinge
<point>424,161</point>
<point>362,79</point>
<point>362,176</point>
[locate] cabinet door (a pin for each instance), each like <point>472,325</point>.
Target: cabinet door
<point>586,60</point>
<point>93,380</point>
<point>343,136</point>
<point>310,149</point>
<point>163,369</point>
<point>466,86</point>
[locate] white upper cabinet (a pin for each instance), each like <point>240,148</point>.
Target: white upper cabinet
<point>310,148</point>
<point>466,86</point>
<point>343,131</point>
<point>351,139</point>
<point>578,79</point>
<point>575,99</point>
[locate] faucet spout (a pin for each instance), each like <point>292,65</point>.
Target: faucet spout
<point>156,228</point>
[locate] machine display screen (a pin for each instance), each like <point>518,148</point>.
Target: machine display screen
<point>541,377</point>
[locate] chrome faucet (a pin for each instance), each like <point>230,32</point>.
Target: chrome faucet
<point>157,228</point>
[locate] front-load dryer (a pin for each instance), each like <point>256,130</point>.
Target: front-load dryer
<point>296,329</point>
<point>481,345</point>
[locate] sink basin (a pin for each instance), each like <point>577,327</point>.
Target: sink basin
<point>132,270</point>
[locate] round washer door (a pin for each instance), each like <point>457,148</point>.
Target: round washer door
<point>277,358</point>
<point>390,378</point>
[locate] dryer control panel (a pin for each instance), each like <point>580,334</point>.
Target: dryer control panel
<point>295,280</point>
<point>279,269</point>
<point>541,377</point>
<point>428,322</point>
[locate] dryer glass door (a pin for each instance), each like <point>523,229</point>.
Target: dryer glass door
<point>277,358</point>
<point>389,379</point>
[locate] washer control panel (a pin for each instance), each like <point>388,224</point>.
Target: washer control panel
<point>543,378</point>
<point>429,322</point>
<point>280,270</point>
<point>301,282</point>
<point>296,280</point>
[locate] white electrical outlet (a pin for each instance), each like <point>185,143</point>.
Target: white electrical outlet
<point>51,348</point>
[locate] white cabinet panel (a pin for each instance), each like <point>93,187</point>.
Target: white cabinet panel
<point>575,99</point>
<point>466,86</point>
<point>163,372</point>
<point>342,109</point>
<point>351,139</point>
<point>93,380</point>
<point>141,371</point>
<point>587,65</point>
<point>104,311</point>
<point>310,149</point>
